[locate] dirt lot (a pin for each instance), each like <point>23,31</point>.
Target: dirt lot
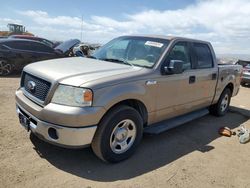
<point>192,155</point>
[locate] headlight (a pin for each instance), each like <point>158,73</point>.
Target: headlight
<point>72,96</point>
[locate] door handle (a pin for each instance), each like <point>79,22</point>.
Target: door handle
<point>214,76</point>
<point>192,79</point>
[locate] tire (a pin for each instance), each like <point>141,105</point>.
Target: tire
<point>5,68</point>
<point>222,106</point>
<point>121,125</point>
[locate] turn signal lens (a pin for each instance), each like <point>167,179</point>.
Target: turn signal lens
<point>88,96</point>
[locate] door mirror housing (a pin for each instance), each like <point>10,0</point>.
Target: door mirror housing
<point>174,67</point>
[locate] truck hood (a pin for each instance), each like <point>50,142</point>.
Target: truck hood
<point>76,71</point>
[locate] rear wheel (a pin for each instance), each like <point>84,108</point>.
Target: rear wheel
<point>118,134</point>
<point>222,106</point>
<point>5,68</point>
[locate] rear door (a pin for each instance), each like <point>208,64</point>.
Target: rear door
<point>23,54</point>
<point>30,51</point>
<point>42,52</point>
<point>206,73</point>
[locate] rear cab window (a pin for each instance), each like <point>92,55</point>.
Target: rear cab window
<point>203,55</point>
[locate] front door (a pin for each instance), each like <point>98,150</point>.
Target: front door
<point>176,92</point>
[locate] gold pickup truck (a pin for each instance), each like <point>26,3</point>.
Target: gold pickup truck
<point>131,85</point>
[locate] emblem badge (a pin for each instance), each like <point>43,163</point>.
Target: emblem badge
<point>31,86</point>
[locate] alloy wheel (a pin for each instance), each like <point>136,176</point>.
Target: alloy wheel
<point>5,68</point>
<point>123,136</point>
<point>224,103</point>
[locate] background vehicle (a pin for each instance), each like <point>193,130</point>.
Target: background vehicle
<point>67,47</point>
<point>86,49</point>
<point>131,85</point>
<point>16,53</point>
<point>42,40</point>
<point>245,79</point>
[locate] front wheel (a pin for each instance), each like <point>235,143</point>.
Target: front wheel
<point>5,68</point>
<point>118,134</point>
<point>222,106</point>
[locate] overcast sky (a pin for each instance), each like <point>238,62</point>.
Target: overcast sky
<point>225,23</point>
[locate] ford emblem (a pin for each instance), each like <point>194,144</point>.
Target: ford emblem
<point>31,86</point>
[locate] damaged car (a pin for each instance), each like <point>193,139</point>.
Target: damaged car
<point>16,53</point>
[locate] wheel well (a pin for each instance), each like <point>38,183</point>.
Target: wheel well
<point>137,105</point>
<point>231,87</point>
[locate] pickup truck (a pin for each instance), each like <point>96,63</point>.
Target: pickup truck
<point>130,86</point>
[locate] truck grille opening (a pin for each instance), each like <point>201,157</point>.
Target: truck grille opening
<point>35,86</point>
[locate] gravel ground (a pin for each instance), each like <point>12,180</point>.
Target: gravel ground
<point>192,155</point>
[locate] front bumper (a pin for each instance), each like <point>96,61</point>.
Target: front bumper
<point>73,126</point>
<point>61,136</point>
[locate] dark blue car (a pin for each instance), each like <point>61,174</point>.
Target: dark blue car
<point>16,53</point>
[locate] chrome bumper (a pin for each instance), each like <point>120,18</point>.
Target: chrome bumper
<point>59,135</point>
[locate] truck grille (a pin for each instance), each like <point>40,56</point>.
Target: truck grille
<point>35,86</point>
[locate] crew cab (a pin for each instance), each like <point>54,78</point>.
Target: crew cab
<point>131,85</point>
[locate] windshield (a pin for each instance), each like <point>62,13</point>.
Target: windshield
<point>136,51</point>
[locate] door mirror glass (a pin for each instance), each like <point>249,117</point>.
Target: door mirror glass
<point>174,67</point>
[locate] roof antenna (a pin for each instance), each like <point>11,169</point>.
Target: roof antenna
<point>81,27</point>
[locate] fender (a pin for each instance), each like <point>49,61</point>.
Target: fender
<point>108,97</point>
<point>222,83</point>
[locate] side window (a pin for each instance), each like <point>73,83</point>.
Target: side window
<point>204,56</point>
<point>30,46</point>
<point>25,46</point>
<point>180,51</point>
<point>41,48</point>
<point>11,44</point>
<point>20,45</point>
<point>47,43</point>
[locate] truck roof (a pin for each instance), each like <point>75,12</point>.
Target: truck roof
<point>170,37</point>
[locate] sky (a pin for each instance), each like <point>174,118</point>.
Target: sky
<point>225,23</point>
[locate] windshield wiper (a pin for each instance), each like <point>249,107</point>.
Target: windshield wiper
<point>92,57</point>
<point>117,60</point>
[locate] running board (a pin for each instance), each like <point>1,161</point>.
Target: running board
<point>174,122</point>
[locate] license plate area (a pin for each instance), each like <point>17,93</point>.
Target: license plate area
<point>24,121</point>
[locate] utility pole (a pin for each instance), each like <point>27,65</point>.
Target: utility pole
<point>81,27</point>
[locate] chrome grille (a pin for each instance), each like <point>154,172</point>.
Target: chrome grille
<point>41,87</point>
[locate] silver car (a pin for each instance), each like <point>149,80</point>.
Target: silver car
<point>245,79</point>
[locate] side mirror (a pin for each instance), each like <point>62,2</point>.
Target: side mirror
<point>174,67</point>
